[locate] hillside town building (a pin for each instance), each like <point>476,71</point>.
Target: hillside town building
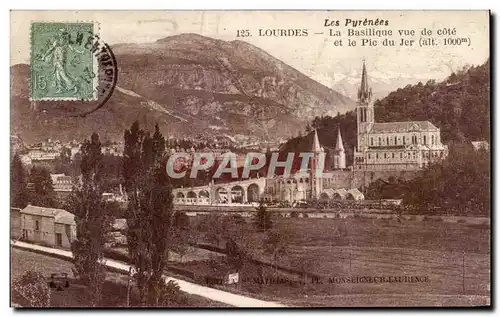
<point>63,185</point>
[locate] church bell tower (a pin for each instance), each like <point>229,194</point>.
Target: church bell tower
<point>364,110</point>
<point>317,164</point>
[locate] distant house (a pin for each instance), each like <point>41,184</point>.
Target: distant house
<point>477,145</point>
<point>37,154</point>
<point>26,160</point>
<point>63,185</point>
<point>49,226</point>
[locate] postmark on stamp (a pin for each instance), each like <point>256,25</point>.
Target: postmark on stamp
<point>62,66</point>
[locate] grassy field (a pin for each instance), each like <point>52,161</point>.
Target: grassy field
<point>454,258</point>
<point>114,289</point>
<point>425,235</point>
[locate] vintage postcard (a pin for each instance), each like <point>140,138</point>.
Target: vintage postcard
<point>250,159</point>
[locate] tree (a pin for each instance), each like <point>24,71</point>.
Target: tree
<point>149,210</point>
<point>460,183</point>
<point>43,190</point>
<point>276,244</point>
<point>93,222</point>
<point>19,193</point>
<point>63,162</point>
<point>31,289</point>
<point>182,241</point>
<point>214,228</point>
<point>242,245</point>
<point>263,219</point>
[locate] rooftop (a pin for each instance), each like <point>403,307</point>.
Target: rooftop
<point>409,126</point>
<point>59,215</point>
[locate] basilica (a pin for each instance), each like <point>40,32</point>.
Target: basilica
<point>400,146</point>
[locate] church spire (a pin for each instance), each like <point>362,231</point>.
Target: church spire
<point>339,153</point>
<point>340,145</point>
<point>316,147</point>
<point>364,91</point>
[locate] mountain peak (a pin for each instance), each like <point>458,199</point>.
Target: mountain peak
<point>188,37</point>
<point>188,83</point>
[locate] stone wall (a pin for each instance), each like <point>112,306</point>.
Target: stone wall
<point>362,179</point>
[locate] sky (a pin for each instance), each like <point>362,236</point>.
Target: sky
<point>315,55</point>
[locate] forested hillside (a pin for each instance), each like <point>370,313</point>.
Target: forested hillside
<point>459,106</point>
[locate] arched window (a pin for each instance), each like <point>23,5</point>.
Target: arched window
<point>369,156</point>
<point>395,140</point>
<point>404,140</point>
<point>400,155</point>
<point>432,139</point>
<point>392,155</point>
<point>385,155</point>
<point>414,139</point>
<point>376,155</point>
<point>387,140</point>
<point>425,139</point>
<point>371,141</point>
<point>379,141</point>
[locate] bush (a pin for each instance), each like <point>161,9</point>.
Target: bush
<point>238,218</point>
<point>294,214</point>
<point>170,294</point>
<point>32,290</point>
<point>181,220</point>
<point>262,218</point>
<point>461,221</point>
<point>304,215</point>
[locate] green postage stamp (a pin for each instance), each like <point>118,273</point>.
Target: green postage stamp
<point>63,66</point>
